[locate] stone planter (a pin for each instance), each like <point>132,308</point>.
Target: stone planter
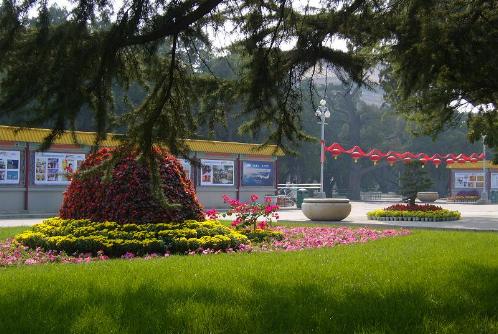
<point>330,209</point>
<point>427,197</point>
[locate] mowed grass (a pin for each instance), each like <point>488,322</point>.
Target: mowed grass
<point>9,232</point>
<point>427,282</point>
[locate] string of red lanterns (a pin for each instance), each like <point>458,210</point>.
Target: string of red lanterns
<point>392,157</point>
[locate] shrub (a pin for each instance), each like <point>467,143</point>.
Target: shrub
<point>85,236</point>
<point>413,180</point>
<point>259,235</point>
<point>468,193</point>
<point>248,214</point>
<point>125,197</point>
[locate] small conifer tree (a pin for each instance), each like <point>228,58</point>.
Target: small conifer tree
<point>413,180</point>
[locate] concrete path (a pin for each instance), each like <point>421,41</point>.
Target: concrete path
<point>475,217</point>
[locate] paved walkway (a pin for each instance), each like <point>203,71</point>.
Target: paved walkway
<point>475,217</point>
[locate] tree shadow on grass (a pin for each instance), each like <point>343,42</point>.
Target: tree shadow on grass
<point>469,305</point>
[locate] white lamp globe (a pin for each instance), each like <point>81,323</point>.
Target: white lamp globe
<point>323,102</point>
<point>327,114</point>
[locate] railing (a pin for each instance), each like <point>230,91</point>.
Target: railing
<point>287,192</point>
<point>290,189</point>
<point>379,196</point>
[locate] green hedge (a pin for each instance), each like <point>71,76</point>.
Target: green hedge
<point>439,215</point>
<point>259,235</point>
<point>84,236</point>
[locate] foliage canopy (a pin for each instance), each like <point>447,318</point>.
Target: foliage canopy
<point>53,66</point>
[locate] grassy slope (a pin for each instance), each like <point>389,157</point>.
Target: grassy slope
<point>431,281</point>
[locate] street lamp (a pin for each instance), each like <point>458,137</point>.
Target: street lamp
<point>484,194</point>
<point>322,113</point>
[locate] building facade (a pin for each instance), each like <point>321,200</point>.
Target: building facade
<point>469,178</point>
<point>34,182</point>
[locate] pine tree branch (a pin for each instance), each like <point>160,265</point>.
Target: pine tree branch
<point>174,26</point>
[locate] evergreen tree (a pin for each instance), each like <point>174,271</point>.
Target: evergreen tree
<point>413,180</point>
<point>442,60</point>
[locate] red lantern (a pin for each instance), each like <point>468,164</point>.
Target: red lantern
<point>474,158</point>
<point>375,158</point>
<point>356,155</point>
<point>406,157</point>
<point>449,161</point>
<point>356,152</point>
<point>436,160</point>
<point>391,160</point>
<point>424,159</point>
<point>462,158</point>
<point>335,149</point>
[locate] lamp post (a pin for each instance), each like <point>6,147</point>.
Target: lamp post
<point>484,194</point>
<point>322,113</point>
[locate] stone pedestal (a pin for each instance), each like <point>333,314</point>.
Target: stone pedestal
<point>427,196</point>
<point>326,209</point>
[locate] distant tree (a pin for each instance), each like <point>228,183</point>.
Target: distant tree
<point>442,60</point>
<point>413,180</point>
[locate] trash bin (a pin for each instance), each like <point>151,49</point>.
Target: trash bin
<point>301,195</point>
<point>494,196</point>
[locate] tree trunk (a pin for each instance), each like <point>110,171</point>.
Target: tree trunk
<point>355,181</point>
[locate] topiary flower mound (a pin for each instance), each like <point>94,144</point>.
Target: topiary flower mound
<point>125,196</point>
<point>85,236</point>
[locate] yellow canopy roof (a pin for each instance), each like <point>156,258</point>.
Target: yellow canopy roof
<point>475,165</point>
<point>35,135</point>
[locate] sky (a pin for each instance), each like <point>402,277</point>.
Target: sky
<point>221,39</point>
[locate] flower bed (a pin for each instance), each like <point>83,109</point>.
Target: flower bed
<point>407,212</point>
<point>84,236</point>
<point>13,252</point>
<point>414,207</point>
<point>298,238</point>
<point>465,196</point>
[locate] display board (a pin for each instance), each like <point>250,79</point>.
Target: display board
<point>217,172</point>
<point>187,167</point>
<point>494,180</point>
<point>469,180</point>
<point>9,167</point>
<point>55,168</point>
<point>257,173</point>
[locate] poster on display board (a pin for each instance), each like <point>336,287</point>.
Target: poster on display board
<point>187,167</point>
<point>54,168</point>
<point>494,180</point>
<point>9,167</point>
<point>257,173</point>
<point>469,180</point>
<point>217,172</point>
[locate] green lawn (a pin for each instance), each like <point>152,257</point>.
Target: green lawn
<point>428,282</point>
<point>9,232</point>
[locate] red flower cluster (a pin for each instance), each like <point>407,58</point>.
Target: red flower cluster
<point>127,198</point>
<point>249,214</point>
<point>415,207</point>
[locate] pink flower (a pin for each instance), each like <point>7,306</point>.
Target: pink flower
<point>254,197</point>
<point>262,225</point>
<point>212,214</point>
<point>268,200</point>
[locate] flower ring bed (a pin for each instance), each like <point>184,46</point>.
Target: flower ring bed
<point>407,212</point>
<point>79,241</point>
